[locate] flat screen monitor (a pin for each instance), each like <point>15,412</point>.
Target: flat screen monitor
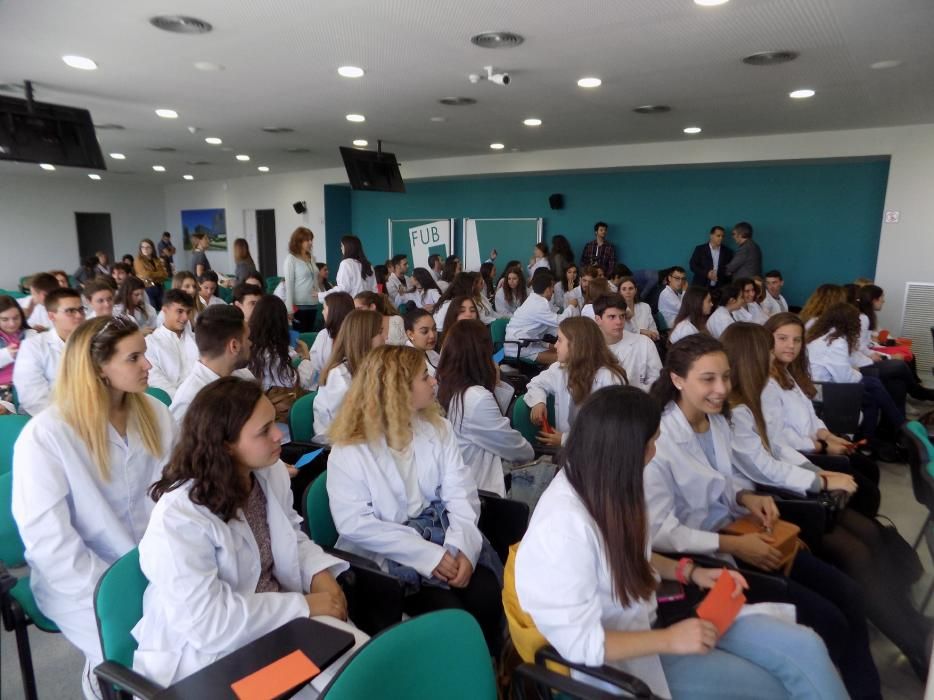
<point>48,134</point>
<point>373,171</point>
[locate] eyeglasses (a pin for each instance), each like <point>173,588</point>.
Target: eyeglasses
<point>73,311</point>
<point>678,278</point>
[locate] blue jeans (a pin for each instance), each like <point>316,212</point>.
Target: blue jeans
<point>759,657</point>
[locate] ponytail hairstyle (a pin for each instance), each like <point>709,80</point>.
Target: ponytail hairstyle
<point>747,348</point>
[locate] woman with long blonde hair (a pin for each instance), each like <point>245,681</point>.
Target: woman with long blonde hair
<point>80,473</point>
<point>361,331</point>
<point>820,300</point>
<point>400,493</point>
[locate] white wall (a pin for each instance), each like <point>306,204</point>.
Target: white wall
<point>37,220</point>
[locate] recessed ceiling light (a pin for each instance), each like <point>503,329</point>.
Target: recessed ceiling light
<point>885,65</point>
<point>350,72</point>
<point>213,140</point>
<point>79,62</point>
<point>361,143</point>
<point>46,166</point>
<point>589,82</point>
<point>94,176</point>
<point>118,156</point>
<point>167,113</point>
<point>497,146</point>
<point>532,122</point>
<point>263,168</point>
<point>710,3</point>
<point>692,130</point>
<point>159,168</point>
<point>243,157</point>
<point>801,94</point>
<point>188,177</point>
<point>208,66</point>
<point>356,118</point>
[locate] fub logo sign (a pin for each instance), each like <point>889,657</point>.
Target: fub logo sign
<point>429,239</point>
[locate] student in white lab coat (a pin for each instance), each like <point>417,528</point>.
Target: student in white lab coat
<point>396,285</point>
<point>693,491</point>
<point>171,348</point>
<point>731,301</point>
<point>669,301</point>
<point>459,308</point>
<point>393,325</point>
<point>566,285</point>
<point>598,287</point>
<point>587,577</point>
<point>245,297</point>
<point>750,311</point>
<point>639,318</point>
<point>583,364</point>
<point>207,289</point>
<point>40,284</point>
<point>510,296</point>
<point>39,355</point>
<point>395,466</point>
<point>468,380</point>
<point>99,297</point>
<point>535,319</point>
<point>131,301</point>
<point>360,332</point>
<point>80,473</point>
<point>421,334</point>
<point>774,302</point>
<point>539,260</point>
<point>13,331</point>
<point>635,352</point>
<point>223,339</point>
<point>696,306</point>
<point>355,273</point>
<point>335,309</point>
<point>225,555</point>
<point>427,293</point>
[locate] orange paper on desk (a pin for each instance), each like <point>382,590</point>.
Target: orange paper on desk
<point>719,607</point>
<point>277,678</point>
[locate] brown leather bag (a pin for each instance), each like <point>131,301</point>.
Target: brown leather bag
<point>282,398</point>
<point>783,532</point>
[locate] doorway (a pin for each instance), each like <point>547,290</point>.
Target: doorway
<point>94,234</point>
<point>266,242</point>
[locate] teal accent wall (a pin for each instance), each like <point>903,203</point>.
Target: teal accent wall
<point>816,222</point>
<point>337,223</point>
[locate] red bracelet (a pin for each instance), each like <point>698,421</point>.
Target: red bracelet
<point>679,570</point>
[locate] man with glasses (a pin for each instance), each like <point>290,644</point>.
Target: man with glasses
<point>37,361</point>
<point>669,301</point>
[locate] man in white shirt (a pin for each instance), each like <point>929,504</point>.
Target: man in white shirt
<point>669,301</point>
<point>223,339</point>
<point>40,285</point>
<point>635,352</point>
<point>774,302</point>
<point>396,285</point>
<point>171,348</point>
<point>39,355</point>
<point>535,319</point>
<point>750,311</point>
<point>100,299</point>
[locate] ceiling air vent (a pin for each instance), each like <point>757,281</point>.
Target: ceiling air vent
<point>109,127</point>
<point>180,24</point>
<point>457,101</point>
<point>770,58</point>
<point>652,109</point>
<point>496,40</point>
<point>298,150</point>
<point>161,149</point>
<point>277,130</point>
<point>198,162</point>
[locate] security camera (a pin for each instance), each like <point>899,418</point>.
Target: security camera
<point>498,78</point>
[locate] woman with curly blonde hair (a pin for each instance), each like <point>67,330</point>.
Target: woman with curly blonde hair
<point>400,493</point>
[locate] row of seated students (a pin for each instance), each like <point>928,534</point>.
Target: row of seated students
<point>387,429</point>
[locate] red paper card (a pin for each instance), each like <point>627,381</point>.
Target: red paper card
<point>719,607</point>
<point>277,678</point>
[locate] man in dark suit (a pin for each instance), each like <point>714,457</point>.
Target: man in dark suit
<point>747,262</point>
<point>709,261</point>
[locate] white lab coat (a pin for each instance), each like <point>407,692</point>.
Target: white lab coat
<point>588,312</point>
<point>423,298</point>
<point>688,499</point>
<point>862,356</point>
<point>485,310</point>
<point>439,314</point>
<point>762,466</point>
<point>396,334</point>
<point>395,288</point>
<point>36,368</point>
<point>214,300</point>
<point>201,602</point>
<point>639,357</point>
<point>554,381</point>
<point>563,581</point>
<point>486,438</point>
<point>790,417</point>
<point>432,358</point>
<point>830,361</point>
<point>540,264</point>
<point>369,503</point>
<point>719,321</point>
<point>504,307</point>
<point>669,304</point>
<point>533,320</point>
<point>201,375</point>
<point>682,330</point>
<point>773,306</point>
<point>350,279</point>
<point>73,523</point>
<point>642,319</point>
<point>329,399</point>
<point>172,358</point>
<point>318,354</point>
<point>144,316</point>
<point>751,313</point>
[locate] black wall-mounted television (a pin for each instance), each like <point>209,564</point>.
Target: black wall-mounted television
<point>371,170</point>
<point>48,134</point>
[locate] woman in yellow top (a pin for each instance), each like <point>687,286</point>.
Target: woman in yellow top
<point>150,268</point>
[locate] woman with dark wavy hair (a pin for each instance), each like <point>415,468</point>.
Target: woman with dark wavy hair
<point>225,555</point>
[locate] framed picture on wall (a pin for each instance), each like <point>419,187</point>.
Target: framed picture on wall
<point>212,222</point>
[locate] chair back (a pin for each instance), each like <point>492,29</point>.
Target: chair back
<point>498,333</point>
<point>12,549</point>
<point>272,283</point>
<point>920,463</point>
<point>160,394</point>
<point>302,418</point>
<point>11,426</point>
<point>118,606</point>
<point>318,512</point>
<point>407,661</point>
<point>841,406</point>
<point>308,338</point>
<point>522,418</point>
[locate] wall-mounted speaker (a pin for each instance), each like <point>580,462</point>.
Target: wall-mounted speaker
<point>299,207</point>
<point>556,201</point>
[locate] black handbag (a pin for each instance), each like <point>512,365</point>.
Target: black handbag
<point>904,559</point>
